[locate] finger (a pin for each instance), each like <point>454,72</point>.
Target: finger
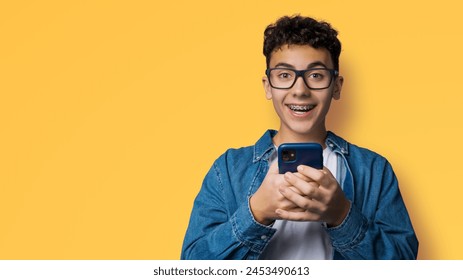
<point>296,190</point>
<point>309,189</point>
<point>303,177</point>
<point>310,172</point>
<point>290,207</point>
<point>322,176</point>
<point>296,216</point>
<point>301,201</point>
<point>327,171</point>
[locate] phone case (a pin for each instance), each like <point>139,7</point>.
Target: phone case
<point>291,155</point>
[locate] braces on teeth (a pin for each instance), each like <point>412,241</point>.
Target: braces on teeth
<point>300,107</point>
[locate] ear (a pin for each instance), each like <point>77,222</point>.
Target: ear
<point>267,87</point>
<point>337,87</point>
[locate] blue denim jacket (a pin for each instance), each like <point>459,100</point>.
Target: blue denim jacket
<point>376,227</point>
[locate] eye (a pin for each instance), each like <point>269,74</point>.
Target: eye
<point>284,75</point>
<point>316,75</point>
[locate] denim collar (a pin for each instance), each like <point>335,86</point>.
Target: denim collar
<point>264,146</point>
<point>336,143</point>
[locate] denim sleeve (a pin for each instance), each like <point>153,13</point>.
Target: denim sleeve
<point>377,225</point>
<point>222,227</point>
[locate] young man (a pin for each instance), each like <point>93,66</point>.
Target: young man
<point>351,209</point>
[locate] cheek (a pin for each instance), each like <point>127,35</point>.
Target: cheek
<point>275,95</point>
<point>326,102</point>
<point>277,105</point>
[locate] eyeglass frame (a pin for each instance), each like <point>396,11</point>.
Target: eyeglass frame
<point>300,73</point>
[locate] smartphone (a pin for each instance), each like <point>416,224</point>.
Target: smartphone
<point>291,155</point>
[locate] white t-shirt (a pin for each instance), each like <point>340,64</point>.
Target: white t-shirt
<point>301,240</point>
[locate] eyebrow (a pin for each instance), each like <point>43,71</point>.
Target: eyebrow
<point>311,65</point>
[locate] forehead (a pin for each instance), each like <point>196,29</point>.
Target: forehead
<point>300,56</point>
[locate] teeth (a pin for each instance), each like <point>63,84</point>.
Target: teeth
<point>301,107</point>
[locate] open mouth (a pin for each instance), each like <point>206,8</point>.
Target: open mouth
<point>300,109</point>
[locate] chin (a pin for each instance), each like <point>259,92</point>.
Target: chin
<point>306,128</point>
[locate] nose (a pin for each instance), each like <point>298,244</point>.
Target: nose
<point>300,88</point>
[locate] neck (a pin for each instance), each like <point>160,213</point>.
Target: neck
<point>291,137</point>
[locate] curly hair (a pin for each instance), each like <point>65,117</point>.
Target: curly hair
<point>299,30</point>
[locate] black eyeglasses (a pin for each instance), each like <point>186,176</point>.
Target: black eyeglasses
<point>315,78</point>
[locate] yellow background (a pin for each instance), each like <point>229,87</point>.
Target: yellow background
<point>111,113</point>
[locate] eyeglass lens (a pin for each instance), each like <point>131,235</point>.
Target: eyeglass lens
<point>286,78</point>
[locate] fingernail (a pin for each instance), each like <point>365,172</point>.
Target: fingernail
<point>300,168</point>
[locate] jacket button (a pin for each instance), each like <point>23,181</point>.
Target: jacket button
<point>263,237</point>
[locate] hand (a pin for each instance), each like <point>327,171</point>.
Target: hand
<point>268,198</point>
<point>319,194</point>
